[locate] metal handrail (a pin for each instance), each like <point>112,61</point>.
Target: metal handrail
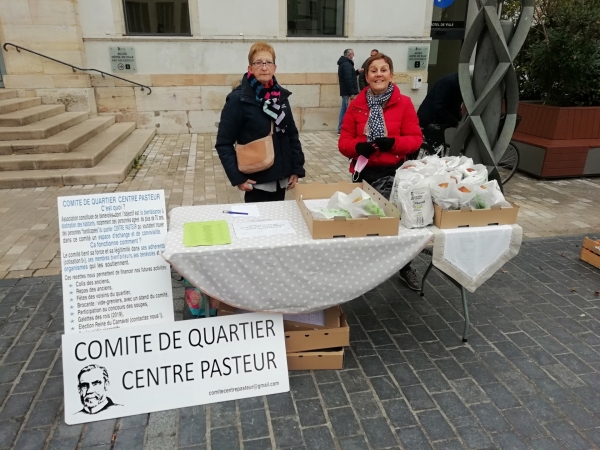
<point>75,68</point>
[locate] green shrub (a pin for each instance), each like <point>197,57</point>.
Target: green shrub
<point>560,61</point>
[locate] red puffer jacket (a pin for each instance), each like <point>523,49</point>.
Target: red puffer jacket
<point>401,123</point>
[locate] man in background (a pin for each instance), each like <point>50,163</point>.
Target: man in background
<point>442,105</point>
<point>362,81</point>
<point>347,79</point>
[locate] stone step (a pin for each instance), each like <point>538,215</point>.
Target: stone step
<point>44,128</point>
<point>7,93</point>
<point>30,115</point>
<point>62,142</point>
<point>112,169</point>
<point>88,154</point>
<point>16,104</point>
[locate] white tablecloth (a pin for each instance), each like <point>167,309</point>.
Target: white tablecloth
<point>472,255</point>
<point>286,273</point>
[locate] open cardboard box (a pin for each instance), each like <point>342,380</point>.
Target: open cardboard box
<point>590,253</point>
<point>301,337</point>
<point>342,226</point>
<point>316,360</point>
<point>475,217</point>
<point>304,340</point>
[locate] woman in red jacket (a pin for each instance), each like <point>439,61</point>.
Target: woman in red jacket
<point>382,125</point>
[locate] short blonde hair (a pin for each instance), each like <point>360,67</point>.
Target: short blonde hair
<point>260,47</point>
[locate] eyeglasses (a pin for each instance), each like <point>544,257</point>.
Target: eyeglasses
<point>269,64</point>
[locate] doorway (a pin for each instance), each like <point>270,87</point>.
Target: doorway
<point>447,32</point>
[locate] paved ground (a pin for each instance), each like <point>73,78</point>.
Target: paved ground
<point>188,169</point>
<point>528,377</point>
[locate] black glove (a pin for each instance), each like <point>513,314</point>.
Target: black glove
<point>385,144</point>
<point>365,149</point>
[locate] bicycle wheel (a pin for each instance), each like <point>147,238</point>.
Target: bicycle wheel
<point>507,166</point>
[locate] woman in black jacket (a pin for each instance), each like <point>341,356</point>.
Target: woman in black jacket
<point>249,113</point>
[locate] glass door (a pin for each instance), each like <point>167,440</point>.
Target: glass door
<point>447,32</point>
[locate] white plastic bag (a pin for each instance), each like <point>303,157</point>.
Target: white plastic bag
<point>488,195</point>
<point>466,193</point>
<point>403,175</point>
<point>476,174</point>
<point>443,191</point>
<point>452,162</point>
<point>415,203</point>
<point>358,203</point>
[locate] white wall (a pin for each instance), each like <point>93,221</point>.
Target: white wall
<point>96,18</point>
<point>391,18</point>
<point>182,56</point>
<point>232,17</point>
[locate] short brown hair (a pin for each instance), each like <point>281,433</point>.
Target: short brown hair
<point>260,47</point>
<point>386,58</point>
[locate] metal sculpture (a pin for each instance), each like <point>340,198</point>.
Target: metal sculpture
<point>494,85</point>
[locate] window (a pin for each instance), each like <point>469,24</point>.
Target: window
<point>157,17</point>
<point>315,17</point>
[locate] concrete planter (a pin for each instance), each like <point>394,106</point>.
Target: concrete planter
<point>558,142</point>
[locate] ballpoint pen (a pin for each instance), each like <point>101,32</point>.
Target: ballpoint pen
<point>235,212</point>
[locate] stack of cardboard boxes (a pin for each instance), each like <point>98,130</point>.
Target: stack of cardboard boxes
<point>309,346</point>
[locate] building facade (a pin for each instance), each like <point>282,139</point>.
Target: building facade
<point>191,51</point>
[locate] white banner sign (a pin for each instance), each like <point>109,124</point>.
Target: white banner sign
<point>113,274</point>
<point>128,371</point>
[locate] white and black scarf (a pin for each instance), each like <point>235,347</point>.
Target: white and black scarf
<point>375,103</point>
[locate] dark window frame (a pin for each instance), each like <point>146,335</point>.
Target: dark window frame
<point>130,33</point>
<point>343,31</point>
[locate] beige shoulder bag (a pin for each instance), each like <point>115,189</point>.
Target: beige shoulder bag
<point>257,155</point>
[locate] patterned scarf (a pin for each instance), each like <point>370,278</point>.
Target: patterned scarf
<point>269,97</point>
<point>376,102</point>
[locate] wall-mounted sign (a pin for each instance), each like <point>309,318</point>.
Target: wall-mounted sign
<point>122,59</point>
<point>129,371</point>
<point>417,58</point>
<point>449,24</point>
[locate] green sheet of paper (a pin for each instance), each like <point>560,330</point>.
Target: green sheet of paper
<point>214,232</point>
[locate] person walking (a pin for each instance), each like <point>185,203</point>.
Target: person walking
<point>348,83</point>
<point>362,82</point>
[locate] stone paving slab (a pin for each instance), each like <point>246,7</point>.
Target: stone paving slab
<point>188,169</point>
<point>527,379</point>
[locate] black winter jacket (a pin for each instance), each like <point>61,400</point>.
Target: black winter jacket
<point>362,77</point>
<point>347,77</point>
<point>243,121</point>
<point>442,103</point>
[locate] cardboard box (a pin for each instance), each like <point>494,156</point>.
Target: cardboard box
<point>475,217</point>
<point>316,360</point>
<point>342,227</point>
<point>590,253</point>
<point>318,339</point>
<point>301,337</point>
<point>333,317</point>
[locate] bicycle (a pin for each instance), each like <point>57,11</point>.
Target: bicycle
<point>434,144</point>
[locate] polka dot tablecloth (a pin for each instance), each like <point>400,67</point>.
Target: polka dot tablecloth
<point>291,273</point>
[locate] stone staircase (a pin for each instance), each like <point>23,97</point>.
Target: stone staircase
<point>42,145</point>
